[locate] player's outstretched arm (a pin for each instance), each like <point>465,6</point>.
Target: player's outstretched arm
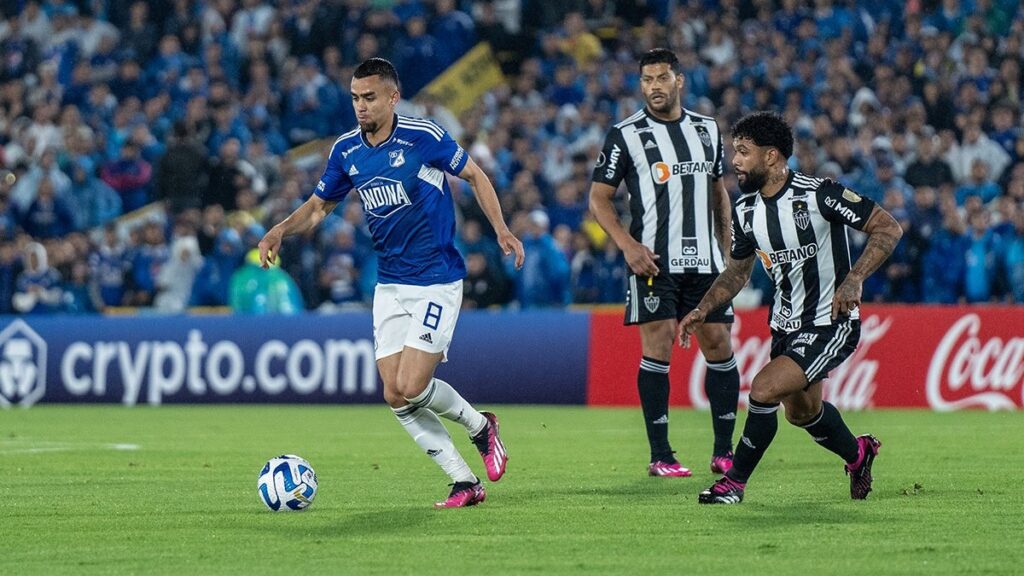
<point>302,220</point>
<point>884,232</point>
<point>488,200</point>
<point>723,289</point>
<point>640,259</point>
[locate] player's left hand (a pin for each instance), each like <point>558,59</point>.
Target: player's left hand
<point>846,298</point>
<point>689,325</point>
<point>510,244</point>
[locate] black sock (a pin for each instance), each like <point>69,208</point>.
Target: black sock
<point>652,382</point>
<point>758,432</point>
<point>829,431</point>
<point>722,386</point>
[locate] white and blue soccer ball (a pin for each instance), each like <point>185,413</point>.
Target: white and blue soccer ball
<point>287,483</point>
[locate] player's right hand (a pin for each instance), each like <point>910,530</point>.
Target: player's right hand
<point>641,259</point>
<point>689,325</point>
<point>269,247</point>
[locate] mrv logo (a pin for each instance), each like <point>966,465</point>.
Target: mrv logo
<point>151,370</point>
<point>382,197</point>
<point>22,365</point>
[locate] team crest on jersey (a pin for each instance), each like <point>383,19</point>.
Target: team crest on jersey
<point>396,158</point>
<point>652,302</point>
<point>801,215</point>
<point>702,133</point>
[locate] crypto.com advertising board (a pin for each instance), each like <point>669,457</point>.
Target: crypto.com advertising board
<point>943,358</point>
<point>288,359</point>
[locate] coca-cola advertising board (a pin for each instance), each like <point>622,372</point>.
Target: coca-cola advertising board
<point>938,357</point>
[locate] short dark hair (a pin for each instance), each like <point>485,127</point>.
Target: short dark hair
<point>765,129</point>
<point>659,56</point>
<point>377,67</point>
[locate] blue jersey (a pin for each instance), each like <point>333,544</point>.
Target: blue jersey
<point>406,199</point>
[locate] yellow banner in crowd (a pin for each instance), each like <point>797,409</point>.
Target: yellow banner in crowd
<point>465,81</point>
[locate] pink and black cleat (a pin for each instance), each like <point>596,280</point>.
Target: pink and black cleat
<point>721,464</point>
<point>860,471</point>
<point>464,494</point>
<point>664,469</point>
<point>724,491</point>
<point>491,449</point>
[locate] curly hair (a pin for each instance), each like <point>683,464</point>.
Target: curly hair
<point>765,129</point>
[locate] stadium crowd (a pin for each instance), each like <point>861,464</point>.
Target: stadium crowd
<point>107,107</point>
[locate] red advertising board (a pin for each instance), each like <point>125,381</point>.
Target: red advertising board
<point>943,358</point>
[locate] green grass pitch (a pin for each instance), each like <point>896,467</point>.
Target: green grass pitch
<point>172,490</point>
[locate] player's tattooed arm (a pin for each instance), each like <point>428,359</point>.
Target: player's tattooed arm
<point>884,232</point>
<point>723,289</point>
<point>722,209</point>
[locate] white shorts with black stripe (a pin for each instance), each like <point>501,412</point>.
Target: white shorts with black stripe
<point>817,349</point>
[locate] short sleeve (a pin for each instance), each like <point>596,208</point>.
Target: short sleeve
<point>445,154</point>
<point>719,168</point>
<point>742,246</point>
<point>334,184</point>
<point>613,161</point>
<point>842,205</point>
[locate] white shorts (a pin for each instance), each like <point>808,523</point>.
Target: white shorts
<point>421,317</point>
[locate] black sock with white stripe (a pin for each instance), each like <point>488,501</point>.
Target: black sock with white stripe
<point>758,433</point>
<point>722,386</point>
<point>652,382</point>
<point>830,431</point>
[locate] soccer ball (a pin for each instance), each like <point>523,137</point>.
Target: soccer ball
<point>287,483</point>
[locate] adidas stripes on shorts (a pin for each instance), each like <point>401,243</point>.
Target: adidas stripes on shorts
<point>421,317</point>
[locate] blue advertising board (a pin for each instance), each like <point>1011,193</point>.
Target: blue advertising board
<point>536,358</point>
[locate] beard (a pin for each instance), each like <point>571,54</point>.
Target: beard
<point>752,181</point>
<point>370,127</point>
<point>667,105</point>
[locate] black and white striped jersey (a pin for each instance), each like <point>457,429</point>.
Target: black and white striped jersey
<point>799,234</point>
<point>668,168</point>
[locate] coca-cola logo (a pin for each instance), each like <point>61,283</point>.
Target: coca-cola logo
<point>969,372</point>
<point>851,386</point>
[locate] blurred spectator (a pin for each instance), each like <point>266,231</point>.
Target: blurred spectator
<point>484,285</point>
<point>182,174</point>
<point>130,176</point>
<point>108,265</point>
<point>38,287</point>
<point>258,291</point>
<point>176,276</point>
<point>544,278</point>
<point>48,216</point>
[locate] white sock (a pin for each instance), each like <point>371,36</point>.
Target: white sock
<point>430,434</point>
<point>444,401</point>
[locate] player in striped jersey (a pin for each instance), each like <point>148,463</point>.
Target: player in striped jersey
<point>671,161</point>
<point>397,166</point>
<point>795,225</point>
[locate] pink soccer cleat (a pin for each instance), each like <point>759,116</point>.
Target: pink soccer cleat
<point>724,491</point>
<point>721,464</point>
<point>464,494</point>
<point>860,471</point>
<point>491,449</point>
<point>664,469</point>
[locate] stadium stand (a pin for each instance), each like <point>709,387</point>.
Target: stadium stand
<point>146,145</point>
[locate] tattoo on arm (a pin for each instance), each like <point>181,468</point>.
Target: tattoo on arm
<point>883,235</point>
<point>728,284</point>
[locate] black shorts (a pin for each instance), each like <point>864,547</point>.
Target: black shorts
<point>670,296</point>
<point>817,349</point>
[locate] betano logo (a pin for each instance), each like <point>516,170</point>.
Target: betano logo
<point>22,365</point>
<point>789,256</point>
<point>662,172</point>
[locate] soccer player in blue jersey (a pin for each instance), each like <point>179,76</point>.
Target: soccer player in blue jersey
<point>397,165</point>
